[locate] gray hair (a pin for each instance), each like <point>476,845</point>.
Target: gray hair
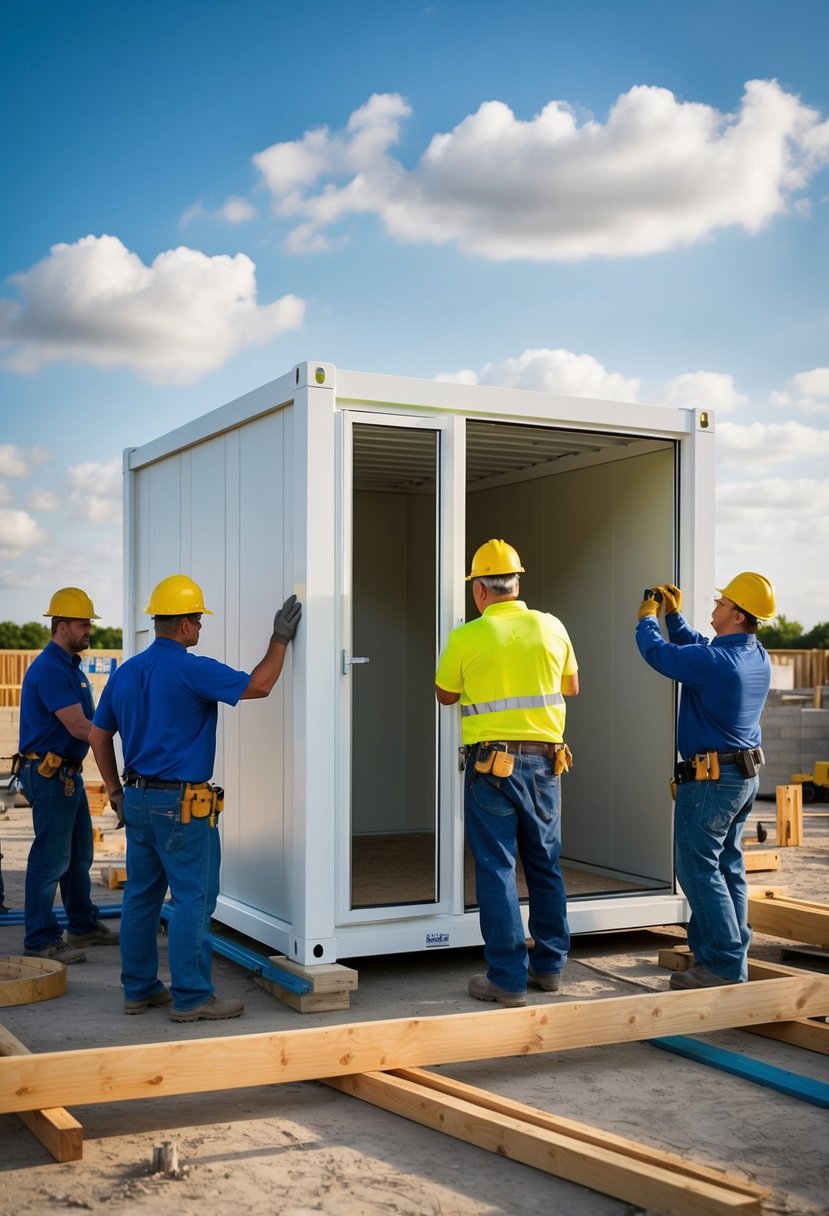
<point>500,584</point>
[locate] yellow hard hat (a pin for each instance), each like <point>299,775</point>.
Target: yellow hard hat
<point>495,557</point>
<point>73,604</point>
<point>177,595</point>
<point>753,593</point>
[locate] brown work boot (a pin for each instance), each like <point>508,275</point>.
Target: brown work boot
<point>698,977</point>
<point>101,935</point>
<point>549,981</point>
<point>161,997</point>
<point>213,1009</point>
<point>483,990</point>
<point>60,952</point>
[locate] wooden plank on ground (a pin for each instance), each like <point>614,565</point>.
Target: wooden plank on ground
<point>112,1074</point>
<point>588,1156</point>
<point>59,1132</point>
<point>797,920</point>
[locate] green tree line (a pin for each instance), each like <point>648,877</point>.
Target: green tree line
<point>789,635</point>
<point>34,636</point>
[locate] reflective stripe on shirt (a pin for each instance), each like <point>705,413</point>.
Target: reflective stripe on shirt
<point>494,707</point>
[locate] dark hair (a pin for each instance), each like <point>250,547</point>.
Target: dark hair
<point>171,624</point>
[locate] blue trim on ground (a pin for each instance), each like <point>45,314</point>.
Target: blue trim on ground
<point>791,1083</point>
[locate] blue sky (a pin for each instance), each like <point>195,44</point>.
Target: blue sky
<point>627,201</point>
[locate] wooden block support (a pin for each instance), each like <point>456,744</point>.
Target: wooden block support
<point>789,815</point>
<point>331,984</point>
<point>58,1131</point>
<point>113,877</point>
<point>757,860</point>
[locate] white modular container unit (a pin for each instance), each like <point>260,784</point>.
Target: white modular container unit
<point>366,495</point>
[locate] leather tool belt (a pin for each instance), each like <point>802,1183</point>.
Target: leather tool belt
<point>705,766</point>
<point>51,764</point>
<point>517,747</point>
<point>196,801</point>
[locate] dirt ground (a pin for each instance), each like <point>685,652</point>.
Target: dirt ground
<point>303,1148</point>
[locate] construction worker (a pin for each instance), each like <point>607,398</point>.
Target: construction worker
<point>725,683</point>
<point>164,704</point>
<point>56,711</point>
<point>511,670</point>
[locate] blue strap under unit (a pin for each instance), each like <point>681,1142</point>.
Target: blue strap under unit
<point>493,707</point>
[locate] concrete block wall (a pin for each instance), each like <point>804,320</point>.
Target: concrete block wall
<point>794,738</point>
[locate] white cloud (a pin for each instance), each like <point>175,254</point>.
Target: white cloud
<point>552,371</point>
<point>19,462</point>
<point>759,447</point>
<point>704,390</point>
<point>807,391</point>
<point>18,532</point>
<point>234,210</point>
<point>6,495</point>
<point>43,500</point>
<point>660,173</point>
<point>96,490</point>
<point>96,302</point>
<point>778,526</point>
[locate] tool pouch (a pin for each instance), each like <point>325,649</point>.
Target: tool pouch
<point>706,766</point>
<point>750,761</point>
<point>563,761</point>
<point>502,764</point>
<point>50,764</point>
<point>485,760</point>
<point>202,802</point>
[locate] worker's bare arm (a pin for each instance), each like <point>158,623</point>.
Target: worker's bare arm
<point>446,698</point>
<point>265,674</point>
<point>75,721</point>
<point>570,685</point>
<point>104,752</point>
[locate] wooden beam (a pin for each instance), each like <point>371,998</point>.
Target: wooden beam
<point>799,1032</point>
<point>59,1132</point>
<point>797,920</point>
<point>585,1155</point>
<point>113,1074</point>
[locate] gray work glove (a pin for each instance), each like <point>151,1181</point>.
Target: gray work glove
<point>286,620</point>
<point>116,801</point>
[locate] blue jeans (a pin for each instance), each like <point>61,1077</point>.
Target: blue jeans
<point>505,816</point>
<point>162,851</point>
<point>709,819</point>
<point>61,855</point>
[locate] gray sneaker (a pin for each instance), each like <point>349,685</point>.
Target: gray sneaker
<point>161,997</point>
<point>101,935</point>
<point>483,990</point>
<point>213,1009</point>
<point>60,952</point>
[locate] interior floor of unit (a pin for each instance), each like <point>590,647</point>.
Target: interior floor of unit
<point>399,868</point>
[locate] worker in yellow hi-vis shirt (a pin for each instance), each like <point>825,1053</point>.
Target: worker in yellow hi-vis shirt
<point>510,670</point>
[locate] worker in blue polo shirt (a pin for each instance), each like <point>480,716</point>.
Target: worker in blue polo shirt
<point>510,670</point>
<point>56,709</point>
<point>164,704</point>
<point>725,683</point>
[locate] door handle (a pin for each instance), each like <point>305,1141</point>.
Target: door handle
<point>351,662</point>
